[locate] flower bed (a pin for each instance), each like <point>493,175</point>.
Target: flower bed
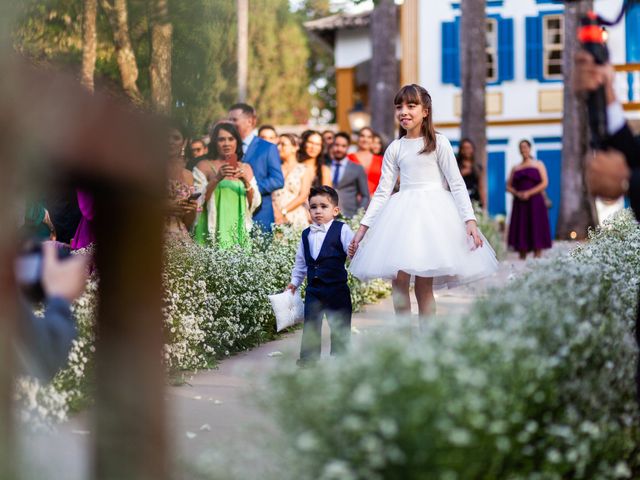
<point>537,382</point>
<point>215,305</point>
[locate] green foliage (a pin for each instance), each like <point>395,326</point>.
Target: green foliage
<point>537,382</point>
<point>204,60</point>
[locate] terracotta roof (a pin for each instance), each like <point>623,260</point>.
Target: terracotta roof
<point>339,21</point>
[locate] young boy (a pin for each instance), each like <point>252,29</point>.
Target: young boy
<point>321,257</point>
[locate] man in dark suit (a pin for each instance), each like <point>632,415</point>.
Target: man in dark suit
<point>263,158</point>
<point>349,178</point>
<point>615,171</point>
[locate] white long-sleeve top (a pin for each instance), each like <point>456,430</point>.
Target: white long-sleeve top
<point>316,239</point>
<point>420,170</point>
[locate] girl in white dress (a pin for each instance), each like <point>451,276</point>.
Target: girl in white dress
<point>428,229</point>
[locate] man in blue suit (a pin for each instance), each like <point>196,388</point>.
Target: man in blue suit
<point>263,158</point>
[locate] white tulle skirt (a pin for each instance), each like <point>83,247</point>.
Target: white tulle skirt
<point>420,232</point>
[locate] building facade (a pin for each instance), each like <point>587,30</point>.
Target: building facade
<point>524,94</point>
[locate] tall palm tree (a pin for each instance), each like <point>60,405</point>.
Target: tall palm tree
<point>384,79</point>
<point>161,46</point>
<point>576,206</point>
<point>473,74</point>
<point>89,42</point>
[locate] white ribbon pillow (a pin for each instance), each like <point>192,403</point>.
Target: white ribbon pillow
<point>288,308</point>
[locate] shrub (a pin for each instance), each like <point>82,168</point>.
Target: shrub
<point>536,382</point>
<point>215,304</point>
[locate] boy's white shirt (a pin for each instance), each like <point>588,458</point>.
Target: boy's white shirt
<point>316,239</point>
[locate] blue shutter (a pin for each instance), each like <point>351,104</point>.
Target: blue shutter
<point>451,52</point>
<point>632,29</point>
<point>534,47</point>
<point>505,49</point>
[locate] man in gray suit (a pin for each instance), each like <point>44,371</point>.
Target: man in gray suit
<point>349,178</point>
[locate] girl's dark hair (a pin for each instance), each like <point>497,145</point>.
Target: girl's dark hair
<point>524,140</point>
<point>302,151</point>
<point>419,96</point>
<point>213,143</point>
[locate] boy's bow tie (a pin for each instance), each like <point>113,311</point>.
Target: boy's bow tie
<point>318,228</point>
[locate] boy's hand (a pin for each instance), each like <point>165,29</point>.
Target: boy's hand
<point>291,287</point>
<point>353,248</point>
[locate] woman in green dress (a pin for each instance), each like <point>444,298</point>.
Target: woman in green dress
<point>230,191</point>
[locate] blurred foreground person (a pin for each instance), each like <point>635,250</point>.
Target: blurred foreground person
<point>614,171</point>
<point>44,342</point>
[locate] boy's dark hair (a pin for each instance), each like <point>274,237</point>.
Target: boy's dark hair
<point>325,191</point>
<point>245,107</point>
<point>344,135</point>
<point>267,127</point>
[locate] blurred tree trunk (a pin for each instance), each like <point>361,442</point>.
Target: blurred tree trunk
<point>160,67</point>
<point>577,212</point>
<point>243,48</point>
<point>384,67</point>
<point>118,14</point>
<point>473,75</point>
<point>89,42</point>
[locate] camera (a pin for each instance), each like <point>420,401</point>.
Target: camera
<point>28,269</point>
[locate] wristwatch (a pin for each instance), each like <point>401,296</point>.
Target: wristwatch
<point>284,212</point>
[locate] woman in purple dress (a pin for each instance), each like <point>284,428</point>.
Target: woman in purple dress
<point>529,228</point>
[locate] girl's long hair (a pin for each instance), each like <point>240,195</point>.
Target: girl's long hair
<point>418,95</point>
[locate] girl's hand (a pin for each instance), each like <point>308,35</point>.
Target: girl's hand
<point>472,230</point>
<point>353,246</point>
<point>291,287</point>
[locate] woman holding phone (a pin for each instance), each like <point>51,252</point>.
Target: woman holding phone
<point>230,191</point>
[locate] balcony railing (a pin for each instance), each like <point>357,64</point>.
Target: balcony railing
<point>628,85</point>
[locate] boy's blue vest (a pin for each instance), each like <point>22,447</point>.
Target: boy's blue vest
<point>328,269</point>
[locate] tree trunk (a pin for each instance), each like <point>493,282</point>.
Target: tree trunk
<point>576,207</point>
<point>160,68</point>
<point>473,74</point>
<point>243,48</point>
<point>89,40</point>
<point>117,14</point>
<point>384,67</point>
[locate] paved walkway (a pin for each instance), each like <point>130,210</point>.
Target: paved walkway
<point>215,408</point>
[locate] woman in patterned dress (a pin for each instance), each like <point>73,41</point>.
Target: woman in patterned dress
<point>289,203</point>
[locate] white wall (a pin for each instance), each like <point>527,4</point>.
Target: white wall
<point>353,47</point>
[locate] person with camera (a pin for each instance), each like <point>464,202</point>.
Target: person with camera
<point>614,171</point>
<point>44,342</point>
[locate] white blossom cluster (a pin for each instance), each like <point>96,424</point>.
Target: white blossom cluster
<point>215,304</point>
<point>535,383</point>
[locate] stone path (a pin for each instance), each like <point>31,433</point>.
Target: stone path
<point>215,408</point>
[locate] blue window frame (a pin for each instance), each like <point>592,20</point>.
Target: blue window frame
<point>632,27</point>
<point>536,51</point>
<point>451,51</point>
<point>496,193</point>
